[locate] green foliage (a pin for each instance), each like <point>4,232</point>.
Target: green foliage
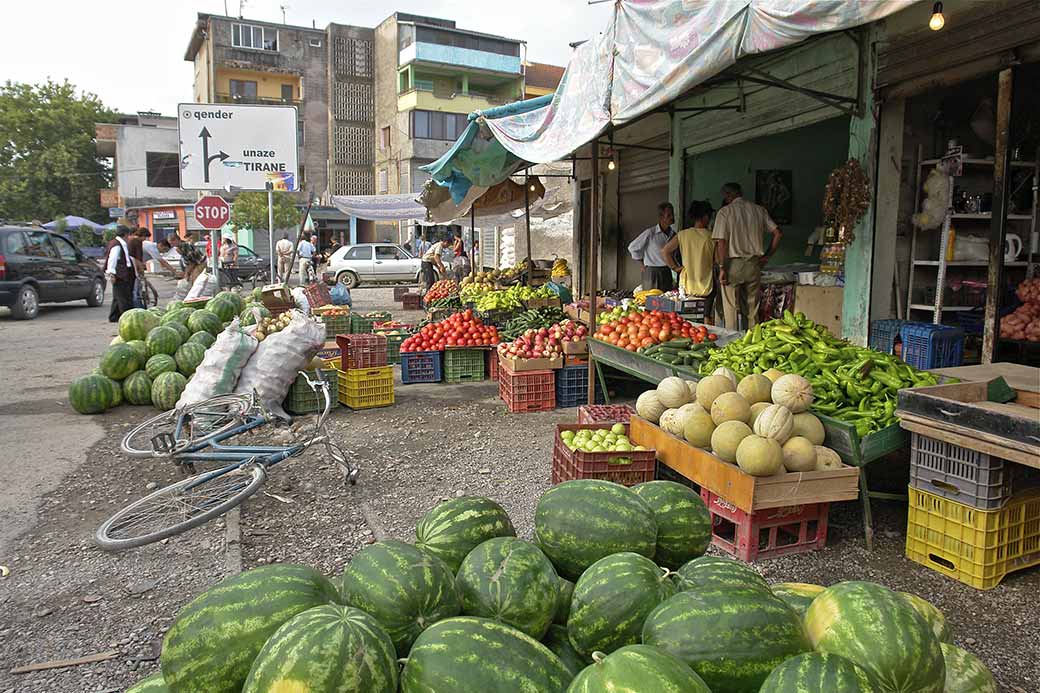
<point>47,155</point>
<point>249,211</point>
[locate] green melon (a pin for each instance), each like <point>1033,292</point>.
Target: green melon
<point>965,673</point>
<point>327,649</point>
<point>180,315</point>
<point>205,321</point>
<point>214,640</point>
<point>798,595</point>
<point>90,394</point>
<point>223,308</point>
<point>930,613</point>
<point>174,306</point>
<point>141,349</point>
<point>683,521</point>
<point>455,527</point>
<point>163,340</point>
<point>817,672</point>
<point>406,589</point>
<point>733,636</point>
<point>136,323</point>
<point>637,668</point>
<point>152,684</point>
<point>203,338</point>
<point>119,361</point>
<point>232,296</point>
<point>509,580</point>
<point>247,316</point>
<point>715,571</point>
<point>557,641</point>
<point>137,388</point>
<point>160,363</point>
<point>188,357</point>
<point>612,599</point>
<point>878,630</point>
<point>115,392</point>
<point>579,522</point>
<point>477,655</point>
<point>182,330</point>
<point>563,604</point>
<point>167,389</point>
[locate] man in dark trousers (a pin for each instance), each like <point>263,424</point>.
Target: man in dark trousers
<point>120,273</point>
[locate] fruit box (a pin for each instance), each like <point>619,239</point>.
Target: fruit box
<point>545,302</point>
<point>519,365</point>
<point>729,481</point>
<point>581,347</point>
<point>627,468</point>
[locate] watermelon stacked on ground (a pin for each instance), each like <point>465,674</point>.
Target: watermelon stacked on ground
<point>140,348</point>
<point>329,648</point>
<point>163,340</point>
<point>203,338</point>
<point>136,323</point>
<point>965,673</point>
<point>718,572</point>
<point>683,521</point>
<point>817,671</point>
<point>158,364</point>
<point>214,640</point>
<point>798,595</point>
<point>188,357</point>
<point>205,321</point>
<point>638,668</point>
<point>137,389</point>
<point>90,394</point>
<point>248,315</point>
<point>223,307</point>
<point>563,604</point>
<point>556,639</point>
<point>182,330</point>
<point>152,684</point>
<point>180,315</point>
<point>455,527</point>
<point>167,389</point>
<point>119,360</point>
<point>930,613</point>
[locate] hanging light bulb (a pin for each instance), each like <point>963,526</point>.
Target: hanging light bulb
<point>937,21</point>
<point>611,165</point>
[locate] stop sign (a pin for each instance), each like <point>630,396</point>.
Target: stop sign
<point>212,212</point>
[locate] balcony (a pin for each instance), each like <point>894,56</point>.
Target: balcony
<point>454,102</point>
<point>459,57</point>
<point>255,100</point>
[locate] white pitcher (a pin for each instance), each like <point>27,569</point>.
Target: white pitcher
<point>1012,247</point>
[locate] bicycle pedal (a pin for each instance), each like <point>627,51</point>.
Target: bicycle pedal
<point>164,442</point>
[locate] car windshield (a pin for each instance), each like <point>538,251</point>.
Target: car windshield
<point>245,252</point>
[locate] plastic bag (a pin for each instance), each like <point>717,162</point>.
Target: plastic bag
<point>341,295</point>
<point>303,304</point>
<point>273,368</point>
<point>203,286</point>
<point>220,368</point>
<point>182,289</point>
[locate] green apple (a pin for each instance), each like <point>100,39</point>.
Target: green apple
<point>618,429</point>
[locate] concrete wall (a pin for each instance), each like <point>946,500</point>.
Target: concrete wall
<point>386,104</point>
<point>132,145</point>
<point>268,85</point>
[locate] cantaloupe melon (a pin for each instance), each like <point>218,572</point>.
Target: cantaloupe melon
<point>649,407</point>
<point>671,421</point>
<point>799,454</point>
<point>692,386</point>
<point>730,406</point>
<point>759,456</point>
<point>711,387</point>
<point>775,422</point>
<point>773,374</point>
<point>808,426</point>
<point>698,427</point>
<point>722,370</point>
<point>726,438</point>
<point>792,391</point>
<point>755,388</point>
<point>673,392</point>
<point>756,409</point>
<point>827,459</point>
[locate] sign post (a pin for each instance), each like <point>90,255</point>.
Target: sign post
<point>212,213</point>
<point>270,227</point>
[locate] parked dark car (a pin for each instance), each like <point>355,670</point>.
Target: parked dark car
<point>37,266</point>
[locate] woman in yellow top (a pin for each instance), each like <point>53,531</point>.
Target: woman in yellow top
<point>697,274</point>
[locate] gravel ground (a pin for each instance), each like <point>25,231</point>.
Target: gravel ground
<point>65,598</point>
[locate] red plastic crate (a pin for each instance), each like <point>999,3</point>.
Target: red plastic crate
<point>400,291</point>
<point>528,390</point>
<point>766,533</point>
<point>605,413</point>
<point>411,302</point>
<point>491,364</point>
<point>361,350</point>
<point>570,464</point>
<point>317,294</point>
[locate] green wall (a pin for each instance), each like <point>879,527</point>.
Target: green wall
<point>810,153</point>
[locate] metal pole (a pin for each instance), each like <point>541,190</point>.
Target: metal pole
<point>472,240</point>
<point>527,222</point>
<point>593,258</point>
<point>998,223</point>
<point>270,226</point>
<point>214,245</point>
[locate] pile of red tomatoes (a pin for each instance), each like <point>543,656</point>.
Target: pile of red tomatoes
<point>460,330</point>
<point>650,327</point>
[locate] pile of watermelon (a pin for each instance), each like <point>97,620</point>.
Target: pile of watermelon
<point>585,607</point>
<point>155,354</point>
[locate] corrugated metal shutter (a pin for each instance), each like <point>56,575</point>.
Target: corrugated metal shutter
<point>642,169</point>
<point>489,247</point>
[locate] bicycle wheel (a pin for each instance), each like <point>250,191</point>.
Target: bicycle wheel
<point>179,507</point>
<point>198,423</point>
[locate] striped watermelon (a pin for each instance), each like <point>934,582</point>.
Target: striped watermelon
<point>557,641</point>
<point>188,358</point>
<point>476,655</point>
<point>160,363</point>
<point>965,673</point>
<point>256,294</point>
<point>817,671</point>
<point>405,589</point>
<point>163,340</point>
<point>119,361</point>
<point>234,298</point>
<point>509,580</point>
<point>612,599</point>
<point>205,321</point>
<point>136,323</point>
<point>223,308</point>
<point>152,684</point>
<point>203,338</point>
<point>715,571</point>
<point>137,388</point>
<point>167,389</point>
<point>798,595</point>
<point>327,649</point>
<point>90,394</point>
<point>930,613</point>
<point>182,330</point>
<point>579,522</point>
<point>683,521</point>
<point>878,630</point>
<point>247,316</point>
<point>638,668</point>
<point>141,349</point>
<point>115,392</point>
<point>174,306</point>
<point>180,315</point>
<point>454,528</point>
<point>733,636</point>
<point>563,604</point>
<point>215,638</point>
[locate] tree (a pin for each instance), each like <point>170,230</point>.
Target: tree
<point>249,211</point>
<point>48,162</point>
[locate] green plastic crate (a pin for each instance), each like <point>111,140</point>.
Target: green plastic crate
<point>463,365</point>
<point>393,347</point>
<point>336,324</point>
<point>362,325</point>
<point>302,400</point>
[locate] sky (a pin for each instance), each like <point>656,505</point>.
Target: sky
<point>130,53</point>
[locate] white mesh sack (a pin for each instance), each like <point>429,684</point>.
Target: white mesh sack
<point>220,368</point>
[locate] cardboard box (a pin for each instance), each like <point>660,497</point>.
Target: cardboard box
<point>581,347</point>
<point>520,365</point>
<point>535,303</point>
<point>582,315</point>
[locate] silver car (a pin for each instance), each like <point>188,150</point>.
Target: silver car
<point>372,262</point>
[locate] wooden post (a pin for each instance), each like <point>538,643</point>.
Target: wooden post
<point>594,205</point>
<point>998,223</point>
<point>527,224</point>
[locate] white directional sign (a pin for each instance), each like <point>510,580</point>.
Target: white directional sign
<point>225,147</point>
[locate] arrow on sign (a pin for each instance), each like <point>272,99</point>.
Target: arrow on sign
<point>205,152</point>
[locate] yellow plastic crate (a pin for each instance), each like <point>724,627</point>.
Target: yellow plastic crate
<point>976,547</point>
<point>366,388</point>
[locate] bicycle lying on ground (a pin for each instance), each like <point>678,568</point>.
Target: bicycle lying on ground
<point>197,433</point>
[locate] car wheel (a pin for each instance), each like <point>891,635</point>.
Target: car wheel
<point>348,279</point>
<point>97,294</point>
<point>27,305</point>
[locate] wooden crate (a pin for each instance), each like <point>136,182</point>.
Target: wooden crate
<point>747,492</point>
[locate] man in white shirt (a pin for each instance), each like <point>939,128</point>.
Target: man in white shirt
<point>647,248</point>
<point>430,259</point>
<point>150,250</point>
<point>283,252</point>
<point>120,273</point>
<point>306,254</point>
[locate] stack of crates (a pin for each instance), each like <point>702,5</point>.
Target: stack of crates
<point>766,533</point>
<point>361,350</point>
<point>972,517</point>
<point>491,364</point>
<point>393,347</point>
<point>301,399</point>
<point>335,324</point>
<point>463,365</point>
<point>572,387</point>
<point>927,346</point>
<point>411,302</point>
<point>361,324</point>
<point>883,334</point>
<point>527,391</point>
<point>366,388</point>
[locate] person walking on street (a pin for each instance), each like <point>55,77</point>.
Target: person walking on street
<point>647,249</point>
<point>229,260</point>
<point>696,273</point>
<point>316,258</point>
<point>306,255</point>
<point>430,259</point>
<point>460,264</point>
<point>121,273</point>
<point>739,233</point>
<point>283,251</point>
<point>421,244</point>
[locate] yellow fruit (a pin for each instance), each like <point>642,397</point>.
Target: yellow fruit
<point>759,456</point>
<point>799,455</point>
<point>730,406</point>
<point>727,437</point>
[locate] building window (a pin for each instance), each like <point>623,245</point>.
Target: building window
<point>257,37</point>
<point>314,43</point>
<point>242,90</point>
<point>287,93</point>
<point>434,125</point>
<point>300,136</point>
<point>381,184</point>
<point>384,137</point>
<point>161,169</point>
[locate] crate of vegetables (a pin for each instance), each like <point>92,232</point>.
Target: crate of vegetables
<point>335,318</point>
<point>600,451</point>
<point>605,413</point>
<point>361,323</point>
<point>463,365</point>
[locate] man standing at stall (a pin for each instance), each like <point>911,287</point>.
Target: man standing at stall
<point>739,234</point>
<point>648,249</point>
<point>121,273</point>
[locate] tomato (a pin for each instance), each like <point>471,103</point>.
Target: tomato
<point>712,337</point>
<point>697,338</point>
<point>631,347</point>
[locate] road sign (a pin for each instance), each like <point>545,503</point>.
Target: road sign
<point>225,147</point>
<point>116,212</point>
<point>212,212</point>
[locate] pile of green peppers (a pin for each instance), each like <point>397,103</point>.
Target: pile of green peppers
<point>850,383</point>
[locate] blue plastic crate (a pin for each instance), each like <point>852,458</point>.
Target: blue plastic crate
<point>972,321</point>
<point>420,367</point>
<point>572,387</point>
<point>928,346</point>
<point>883,334</point>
